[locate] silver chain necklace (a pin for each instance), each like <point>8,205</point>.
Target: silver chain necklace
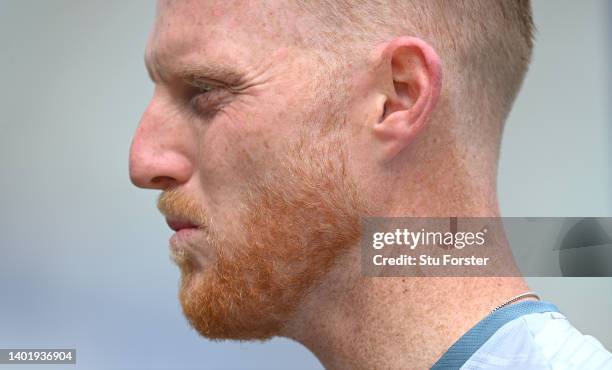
<point>516,298</point>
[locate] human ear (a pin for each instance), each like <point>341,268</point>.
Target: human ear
<point>411,69</point>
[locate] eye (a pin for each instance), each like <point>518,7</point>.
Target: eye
<point>204,98</point>
<point>202,87</point>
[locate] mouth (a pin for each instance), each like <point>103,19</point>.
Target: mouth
<point>186,243</point>
<point>177,224</point>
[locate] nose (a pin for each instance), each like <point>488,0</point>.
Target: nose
<point>159,154</point>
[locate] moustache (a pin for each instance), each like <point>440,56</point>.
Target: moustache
<point>174,204</point>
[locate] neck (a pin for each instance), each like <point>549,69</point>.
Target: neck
<point>351,321</point>
<point>355,322</point>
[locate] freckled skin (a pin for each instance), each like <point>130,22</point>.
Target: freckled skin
<point>229,149</point>
<point>253,166</point>
<point>282,192</point>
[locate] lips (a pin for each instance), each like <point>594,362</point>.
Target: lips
<point>177,224</point>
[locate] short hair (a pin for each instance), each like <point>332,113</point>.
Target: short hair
<point>485,45</point>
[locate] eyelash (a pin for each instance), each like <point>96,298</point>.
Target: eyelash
<point>204,86</point>
<point>201,97</point>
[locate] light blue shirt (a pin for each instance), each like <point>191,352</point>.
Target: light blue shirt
<point>528,335</point>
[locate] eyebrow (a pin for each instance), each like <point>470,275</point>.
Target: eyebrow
<point>220,73</point>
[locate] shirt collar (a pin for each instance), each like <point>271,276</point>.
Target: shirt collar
<point>471,341</point>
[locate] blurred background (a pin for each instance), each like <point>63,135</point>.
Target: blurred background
<point>83,254</point>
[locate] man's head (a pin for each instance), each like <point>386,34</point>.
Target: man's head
<point>275,126</point>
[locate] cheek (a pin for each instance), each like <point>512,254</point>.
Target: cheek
<point>236,148</point>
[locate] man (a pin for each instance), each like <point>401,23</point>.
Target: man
<point>276,126</point>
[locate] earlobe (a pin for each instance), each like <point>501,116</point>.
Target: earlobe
<point>412,68</point>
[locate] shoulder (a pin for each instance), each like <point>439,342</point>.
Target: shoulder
<point>543,340</point>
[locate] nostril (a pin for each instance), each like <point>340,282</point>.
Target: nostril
<point>162,181</point>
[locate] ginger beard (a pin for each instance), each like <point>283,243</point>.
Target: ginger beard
<point>294,224</point>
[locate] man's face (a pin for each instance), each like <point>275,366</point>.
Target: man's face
<point>245,135</point>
